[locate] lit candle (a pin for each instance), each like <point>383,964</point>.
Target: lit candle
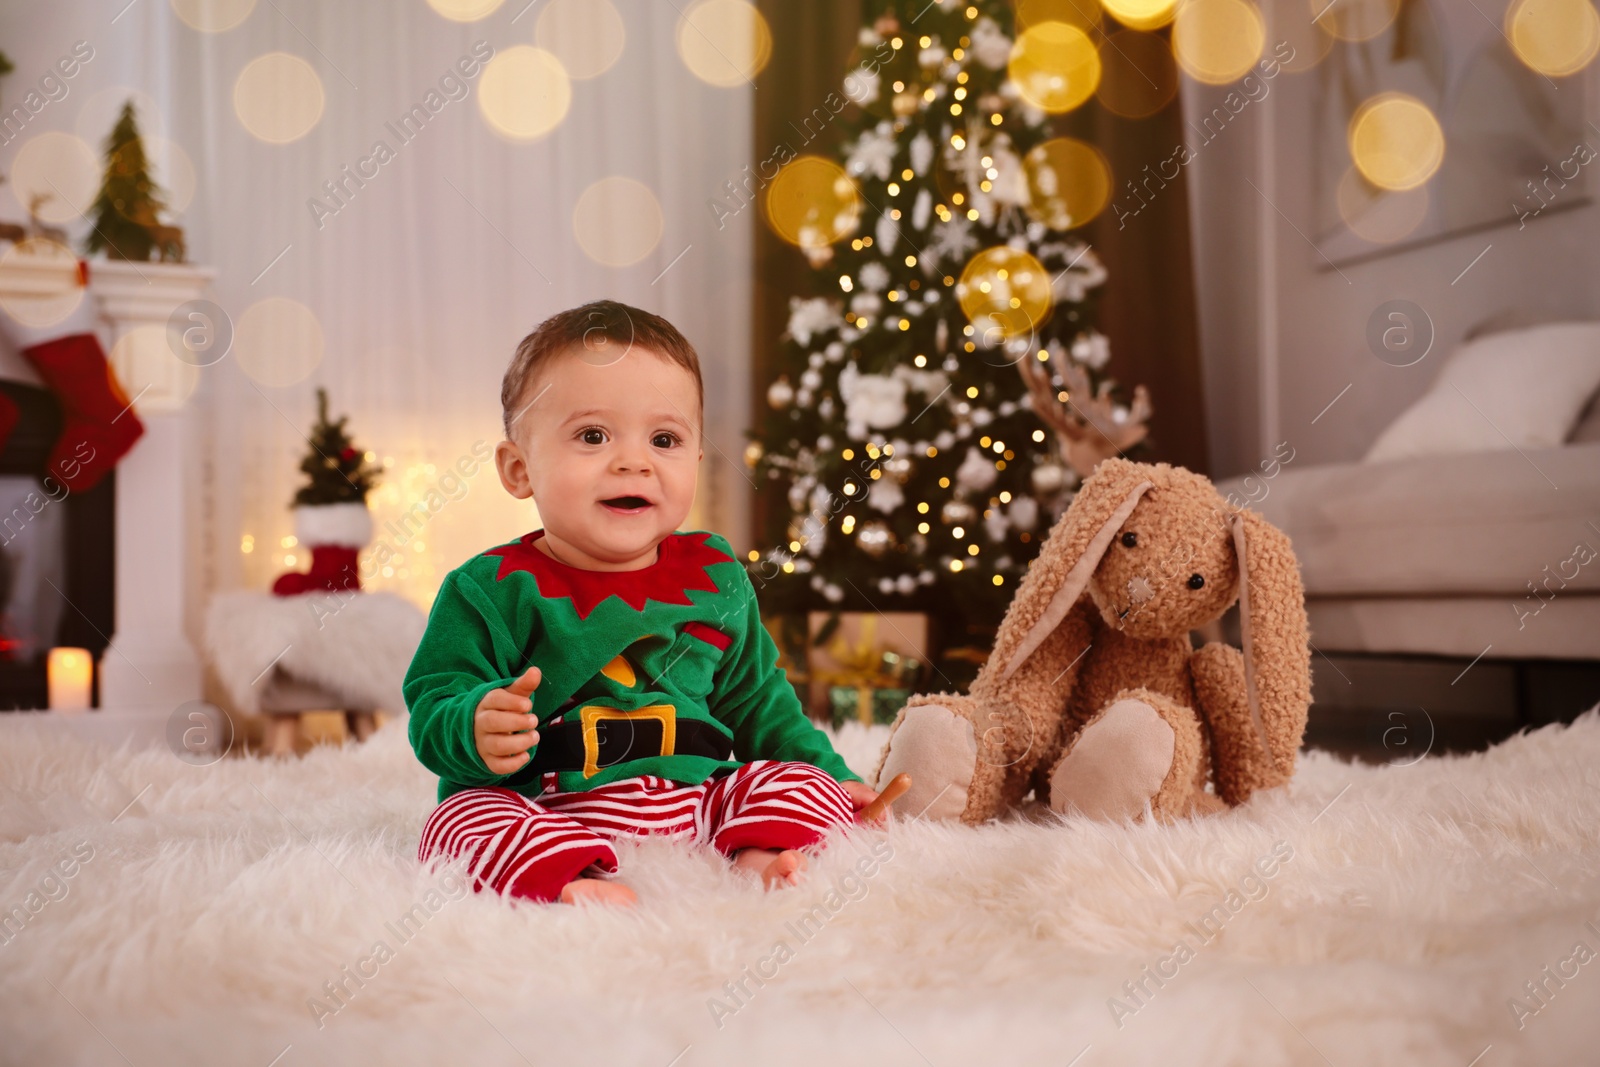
<point>71,671</point>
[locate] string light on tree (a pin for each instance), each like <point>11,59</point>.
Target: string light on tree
<point>917,466</point>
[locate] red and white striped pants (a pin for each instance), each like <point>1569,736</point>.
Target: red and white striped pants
<point>532,848</point>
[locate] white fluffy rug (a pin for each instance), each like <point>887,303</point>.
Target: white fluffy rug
<point>1406,910</point>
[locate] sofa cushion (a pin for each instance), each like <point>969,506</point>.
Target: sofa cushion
<point>1514,389</point>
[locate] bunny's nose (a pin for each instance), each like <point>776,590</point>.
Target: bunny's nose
<point>1139,590</point>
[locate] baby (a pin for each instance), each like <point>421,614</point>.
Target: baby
<point>607,674</point>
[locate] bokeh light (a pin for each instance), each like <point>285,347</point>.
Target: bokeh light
<point>1354,20</point>
<point>1395,141</point>
<point>1138,74</point>
<point>144,348</point>
<point>465,10</point>
<point>724,42</point>
<point>1381,216</point>
<point>42,309</point>
<point>1218,41</point>
<point>1084,14</point>
<point>617,221</point>
<point>1554,37</point>
<point>524,93</point>
<point>587,36</point>
<point>278,341</point>
<point>59,173</point>
<point>213,16</point>
<point>1069,182</point>
<point>812,203</point>
<point>1294,23</point>
<point>1142,14</point>
<point>1005,289</point>
<point>1055,66</point>
<point>278,98</point>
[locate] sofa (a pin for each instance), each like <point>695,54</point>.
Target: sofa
<point>1472,526</point>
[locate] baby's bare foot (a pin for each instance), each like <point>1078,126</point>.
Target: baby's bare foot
<point>597,891</point>
<point>775,868</point>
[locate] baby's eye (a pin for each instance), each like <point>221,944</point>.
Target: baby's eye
<point>593,436</point>
<point>664,439</point>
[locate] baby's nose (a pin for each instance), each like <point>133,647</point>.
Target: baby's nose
<point>633,461</point>
<point>1139,589</point>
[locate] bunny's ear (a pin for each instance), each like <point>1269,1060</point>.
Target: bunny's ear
<point>1068,559</point>
<point>1274,633</point>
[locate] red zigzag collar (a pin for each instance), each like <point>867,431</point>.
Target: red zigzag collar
<point>680,568</point>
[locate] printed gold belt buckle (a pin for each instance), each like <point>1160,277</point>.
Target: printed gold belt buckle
<point>594,714</point>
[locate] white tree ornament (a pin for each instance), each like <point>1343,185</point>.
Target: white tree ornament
<point>886,495</point>
<point>990,44</point>
<point>874,277</point>
<point>873,401</point>
<point>886,234</point>
<point>953,239</point>
<point>807,318</point>
<point>873,153</point>
<point>1086,272</point>
<point>976,473</point>
<point>995,525</point>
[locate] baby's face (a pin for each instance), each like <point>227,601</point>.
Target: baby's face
<point>609,451</point>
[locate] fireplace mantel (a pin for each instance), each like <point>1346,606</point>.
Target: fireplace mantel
<point>151,667</point>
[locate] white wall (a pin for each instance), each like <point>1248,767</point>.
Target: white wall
<point>1282,333</point>
<point>421,291</point>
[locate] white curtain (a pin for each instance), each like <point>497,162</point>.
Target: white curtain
<point>424,281</point>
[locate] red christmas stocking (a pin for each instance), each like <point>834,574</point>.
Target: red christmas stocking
<point>8,419</point>
<point>98,424</point>
<point>333,568</point>
<point>335,534</point>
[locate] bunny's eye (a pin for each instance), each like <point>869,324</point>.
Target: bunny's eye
<point>1196,581</point>
<point>1130,539</point>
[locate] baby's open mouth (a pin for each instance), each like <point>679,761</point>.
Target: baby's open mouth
<point>626,503</point>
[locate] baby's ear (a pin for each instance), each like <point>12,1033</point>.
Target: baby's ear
<point>512,466</point>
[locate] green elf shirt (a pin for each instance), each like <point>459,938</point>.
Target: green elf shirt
<point>647,649</point>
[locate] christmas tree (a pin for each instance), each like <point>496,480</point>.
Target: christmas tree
<point>130,202</point>
<point>337,472</point>
<point>943,393</point>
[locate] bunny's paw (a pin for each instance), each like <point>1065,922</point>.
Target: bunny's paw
<point>1116,765</point>
<point>939,749</point>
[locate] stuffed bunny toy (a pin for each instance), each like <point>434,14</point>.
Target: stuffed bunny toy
<point>1094,696</point>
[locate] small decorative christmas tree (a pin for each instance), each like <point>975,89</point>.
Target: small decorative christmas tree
<point>337,472</point>
<point>127,221</point>
<point>330,510</point>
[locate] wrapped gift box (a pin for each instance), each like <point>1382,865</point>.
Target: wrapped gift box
<point>883,653</point>
<point>865,704</point>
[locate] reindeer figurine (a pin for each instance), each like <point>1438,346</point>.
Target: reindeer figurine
<point>10,231</point>
<point>167,240</point>
<point>37,227</point>
<point>1086,427</point>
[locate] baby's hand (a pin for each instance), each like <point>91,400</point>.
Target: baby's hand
<point>871,807</point>
<point>502,726</point>
<point>861,794</point>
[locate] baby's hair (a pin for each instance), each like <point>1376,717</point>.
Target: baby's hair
<point>603,331</point>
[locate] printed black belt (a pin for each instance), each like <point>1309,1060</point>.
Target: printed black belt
<point>601,737</point>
